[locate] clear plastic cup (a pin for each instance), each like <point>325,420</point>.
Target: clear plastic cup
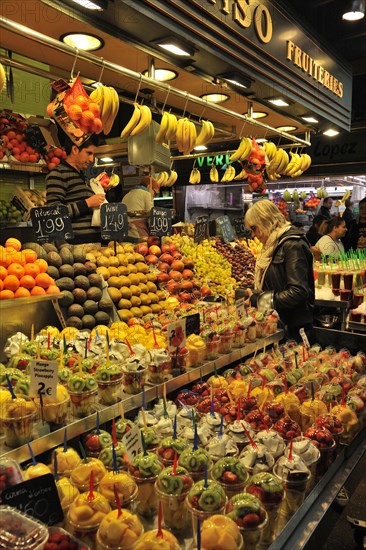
<point>327,457</point>
<point>232,489</point>
<point>10,473</point>
<point>157,374</point>
<point>252,536</point>
<point>17,418</point>
<point>213,344</point>
<point>226,344</point>
<point>178,363</point>
<point>270,529</point>
<point>83,404</point>
<point>295,491</point>
<point>55,413</point>
<point>202,515</point>
<point>195,357</point>
<point>146,503</point>
<point>134,381</point>
<point>109,392</point>
<point>239,338</point>
<point>175,513</point>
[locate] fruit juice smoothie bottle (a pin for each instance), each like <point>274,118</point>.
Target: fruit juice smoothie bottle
<point>336,283</point>
<point>348,280</point>
<point>251,517</point>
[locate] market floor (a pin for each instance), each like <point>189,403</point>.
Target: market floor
<point>341,537</point>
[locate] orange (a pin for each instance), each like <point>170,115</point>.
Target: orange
<point>97,126</point>
<point>3,272</point>
<point>5,259</point>
<point>75,112</point>
<point>21,293</point>
<point>42,264</point>
<point>27,281</point>
<point>1,284</point>
<point>14,243</point>
<point>16,269</point>
<point>93,107</point>
<point>87,118</point>
<point>32,270</point>
<point>11,282</point>
<point>43,280</point>
<point>30,255</point>
<point>6,294</point>
<point>18,258</point>
<point>82,102</point>
<point>53,289</point>
<point>37,291</point>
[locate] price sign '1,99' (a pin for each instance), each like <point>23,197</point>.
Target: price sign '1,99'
<point>160,222</point>
<point>51,223</point>
<point>114,221</point>
<point>201,229</point>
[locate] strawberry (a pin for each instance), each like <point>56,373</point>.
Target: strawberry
<point>168,454</point>
<point>229,477</point>
<point>256,491</point>
<point>251,520</point>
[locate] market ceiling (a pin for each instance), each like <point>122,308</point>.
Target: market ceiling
<point>130,40</point>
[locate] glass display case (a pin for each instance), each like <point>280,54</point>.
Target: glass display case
<point>214,200</point>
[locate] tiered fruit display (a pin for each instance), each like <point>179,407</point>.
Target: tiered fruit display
<point>14,146</point>
<point>211,269</point>
<point>254,245</point>
<point>241,259</point>
<point>23,271</point>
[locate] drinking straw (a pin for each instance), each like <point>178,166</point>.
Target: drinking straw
<point>143,398</point>
<point>160,518</point>
<point>238,411</point>
<point>61,358</point>
<point>290,452</point>
<point>117,501</point>
<point>64,343</point>
<point>32,333</point>
<point>31,453</point>
<point>156,345</point>
<point>312,391</point>
<point>10,387</point>
<point>189,411</point>
<point>80,365</point>
<point>65,440</point>
<point>249,388</point>
<point>114,432</point>
<point>107,349</point>
<point>296,363</point>
<point>97,337</point>
<point>212,407</point>
<point>89,342</point>
<point>91,486</point>
<point>144,418</point>
<point>253,444</point>
<point>132,353</point>
<point>55,466</point>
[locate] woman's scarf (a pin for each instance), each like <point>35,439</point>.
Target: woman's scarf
<point>265,257</point>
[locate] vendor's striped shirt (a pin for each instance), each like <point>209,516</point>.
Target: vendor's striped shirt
<point>65,185</point>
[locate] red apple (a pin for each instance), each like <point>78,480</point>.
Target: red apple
<point>188,263</point>
<point>185,297</point>
<point>167,258</point>
<point>165,248</point>
<point>196,294</point>
<point>205,291</point>
<point>187,286</point>
<point>153,239</point>
<point>187,274</point>
<point>173,287</point>
<point>151,259</point>
<point>162,277</point>
<point>142,248</point>
<point>175,275</point>
<point>178,265</point>
<point>163,266</point>
<point>176,255</point>
<point>154,249</point>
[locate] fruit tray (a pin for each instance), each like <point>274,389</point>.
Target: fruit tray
<point>63,535</point>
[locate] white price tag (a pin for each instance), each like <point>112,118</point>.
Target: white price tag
<point>240,308</point>
<point>304,338</point>
<point>176,334</point>
<point>43,378</point>
<point>132,442</point>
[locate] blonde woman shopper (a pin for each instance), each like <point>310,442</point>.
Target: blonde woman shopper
<point>284,268</point>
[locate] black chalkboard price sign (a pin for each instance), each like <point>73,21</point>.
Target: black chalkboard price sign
<point>192,324</point>
<point>201,229</point>
<point>227,231</point>
<point>240,229</point>
<point>36,497</point>
<point>51,223</point>
<point>114,221</point>
<point>160,222</point>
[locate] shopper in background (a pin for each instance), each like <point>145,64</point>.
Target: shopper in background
<point>330,244</point>
<point>314,234</point>
<point>66,184</point>
<point>139,201</point>
<point>348,215</point>
<point>326,207</point>
<point>284,268</point>
<point>357,231</point>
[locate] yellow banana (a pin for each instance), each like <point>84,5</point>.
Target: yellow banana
<point>195,176</point>
<point>270,150</point>
<point>114,101</point>
<point>346,196</point>
<point>294,165</point>
<point>192,136</point>
<point>107,107</point>
<point>172,127</point>
<point>179,134</point>
<point>205,134</point>
<point>214,175</point>
<point>172,178</point>
<point>144,122</point>
<point>134,120</point>
<point>284,161</point>
<point>160,136</point>
<point>186,136</point>
<point>237,155</point>
<point>241,176</point>
<point>114,180</point>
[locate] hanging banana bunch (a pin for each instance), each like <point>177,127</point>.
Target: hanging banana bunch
<point>229,174</point>
<point>195,176</point>
<point>206,134</point>
<point>242,175</point>
<point>113,180</point>
<point>186,136</point>
<point>139,121</point>
<point>168,128</point>
<point>270,149</point>
<point>243,151</point>
<point>214,174</point>
<point>162,179</point>
<point>278,164</point>
<point>107,100</point>
<point>172,179</point>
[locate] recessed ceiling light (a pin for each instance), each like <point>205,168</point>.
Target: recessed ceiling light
<point>260,140</point>
<point>175,47</point>
<point>237,79</point>
<point>257,114</point>
<point>200,148</point>
<point>163,75</point>
<point>286,128</point>
<point>97,5</point>
<point>310,119</point>
<point>355,11</point>
<point>82,41</point>
<point>330,132</point>
<point>279,102</point>
<point>106,159</point>
<point>215,98</point>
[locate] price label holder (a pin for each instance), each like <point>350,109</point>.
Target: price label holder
<point>240,229</point>
<point>176,334</point>
<point>192,324</point>
<point>132,442</point>
<point>240,308</point>
<point>160,222</point>
<point>51,223</point>
<point>35,137</point>
<point>304,338</point>
<point>36,497</point>
<point>201,229</point>
<point>114,221</point>
<point>226,228</point>
<point>43,378</point>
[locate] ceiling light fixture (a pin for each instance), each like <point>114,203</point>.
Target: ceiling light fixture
<point>200,148</point>
<point>106,159</point>
<point>330,132</point>
<point>261,140</point>
<point>257,114</point>
<point>237,79</point>
<point>310,119</point>
<point>175,46</point>
<point>96,5</point>
<point>163,75</point>
<point>355,10</point>
<point>286,128</point>
<point>82,41</point>
<point>279,102</point>
<point>215,98</point>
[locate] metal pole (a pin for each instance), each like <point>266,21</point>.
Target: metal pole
<point>40,38</point>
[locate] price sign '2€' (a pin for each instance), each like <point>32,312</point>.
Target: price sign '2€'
<point>177,335</point>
